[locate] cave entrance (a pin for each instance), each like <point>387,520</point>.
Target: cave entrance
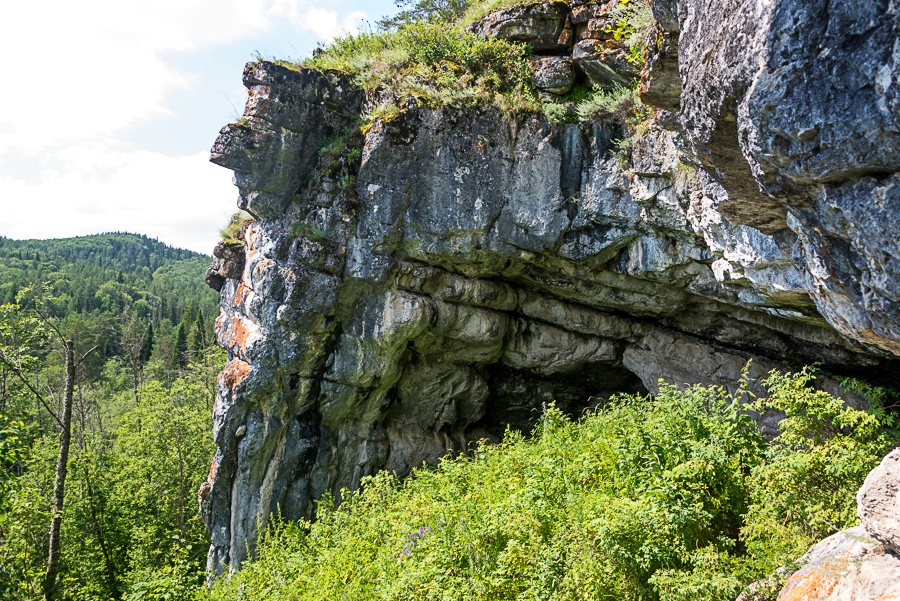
<point>517,398</point>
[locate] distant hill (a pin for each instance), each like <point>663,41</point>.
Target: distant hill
<point>110,273</point>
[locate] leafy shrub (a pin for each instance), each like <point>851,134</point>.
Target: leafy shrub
<point>179,580</point>
<point>645,499</point>
<point>620,103</point>
<point>824,449</point>
<point>556,113</point>
<point>633,21</point>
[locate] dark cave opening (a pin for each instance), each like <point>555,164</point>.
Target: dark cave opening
<point>517,398</point>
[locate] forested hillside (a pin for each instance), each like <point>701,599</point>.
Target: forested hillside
<point>109,273</point>
<point>139,316</point>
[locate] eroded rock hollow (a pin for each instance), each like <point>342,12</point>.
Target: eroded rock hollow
<point>450,272</point>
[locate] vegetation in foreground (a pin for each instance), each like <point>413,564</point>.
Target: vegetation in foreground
<point>139,440</point>
<point>671,498</point>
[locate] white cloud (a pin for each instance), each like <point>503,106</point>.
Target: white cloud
<point>182,200</point>
<point>324,23</point>
<point>90,69</point>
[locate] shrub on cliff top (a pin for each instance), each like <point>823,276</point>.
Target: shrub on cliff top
<point>661,499</point>
<point>435,65</point>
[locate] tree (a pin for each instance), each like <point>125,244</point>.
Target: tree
<point>415,11</point>
<point>179,349</point>
<point>23,331</point>
<point>147,348</point>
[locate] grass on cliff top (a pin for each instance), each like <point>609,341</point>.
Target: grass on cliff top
<point>425,58</point>
<point>436,65</point>
<point>674,498</point>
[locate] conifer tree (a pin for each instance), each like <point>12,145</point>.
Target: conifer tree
<point>179,349</point>
<point>147,346</point>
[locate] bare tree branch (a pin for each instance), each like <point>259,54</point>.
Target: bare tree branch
<point>18,372</point>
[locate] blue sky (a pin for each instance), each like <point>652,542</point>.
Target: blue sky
<point>109,108</point>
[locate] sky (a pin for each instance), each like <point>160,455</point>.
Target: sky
<point>109,108</point>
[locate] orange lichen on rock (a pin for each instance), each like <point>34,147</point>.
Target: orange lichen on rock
<point>233,333</point>
<point>234,373</point>
<point>239,295</point>
<point>815,585</point>
<point>208,484</point>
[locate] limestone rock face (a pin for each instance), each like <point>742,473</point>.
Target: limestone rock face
<point>795,105</point>
<point>878,503</point>
<point>450,273</point>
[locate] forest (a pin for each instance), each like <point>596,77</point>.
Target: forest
<point>139,318</point>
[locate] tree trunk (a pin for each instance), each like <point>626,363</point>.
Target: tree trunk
<point>59,484</point>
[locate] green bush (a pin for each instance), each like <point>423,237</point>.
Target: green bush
<point>633,21</point>
<point>620,103</point>
<point>645,499</point>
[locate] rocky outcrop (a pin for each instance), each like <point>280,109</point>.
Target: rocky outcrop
<point>793,107</point>
<point>846,565</point>
<point>860,563</point>
<point>878,503</point>
<point>569,41</point>
<point>444,277</point>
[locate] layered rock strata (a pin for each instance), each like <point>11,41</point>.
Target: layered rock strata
<point>448,274</point>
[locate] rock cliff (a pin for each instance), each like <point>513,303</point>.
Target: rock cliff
<point>449,272</point>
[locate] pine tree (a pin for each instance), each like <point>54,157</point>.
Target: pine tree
<point>179,349</point>
<point>147,346</point>
<point>197,340</point>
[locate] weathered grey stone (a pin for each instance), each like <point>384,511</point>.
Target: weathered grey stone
<point>660,78</point>
<point>850,240</point>
<point>795,106</point>
<point>604,67</point>
<point>547,350</point>
<point>846,565</point>
<point>554,74</point>
<point>573,317</point>
<point>288,117</point>
<point>538,24</point>
<point>228,264</point>
<point>878,503</point>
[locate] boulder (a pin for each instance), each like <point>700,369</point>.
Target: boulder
<point>538,24</point>
<point>846,565</point>
<point>605,64</point>
<point>878,503</point>
<point>554,74</point>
